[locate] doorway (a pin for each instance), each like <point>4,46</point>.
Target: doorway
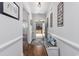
<point>40,29</point>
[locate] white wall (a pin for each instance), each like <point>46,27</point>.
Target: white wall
<point>11,34</point>
<point>70,30</point>
<point>25,21</point>
<point>29,29</point>
<point>33,30</point>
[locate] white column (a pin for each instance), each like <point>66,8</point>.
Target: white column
<point>29,29</point>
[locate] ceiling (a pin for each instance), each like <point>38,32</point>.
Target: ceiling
<point>35,9</point>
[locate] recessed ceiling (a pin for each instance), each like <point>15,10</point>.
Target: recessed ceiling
<point>35,9</point>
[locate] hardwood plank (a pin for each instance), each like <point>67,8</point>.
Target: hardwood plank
<point>34,50</point>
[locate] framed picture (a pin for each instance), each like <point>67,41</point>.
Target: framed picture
<point>60,13</point>
<point>51,19</point>
<point>10,9</point>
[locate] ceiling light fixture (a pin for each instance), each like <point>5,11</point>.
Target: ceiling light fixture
<point>39,4</point>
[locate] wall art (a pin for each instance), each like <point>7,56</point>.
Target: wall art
<point>60,13</point>
<point>10,9</point>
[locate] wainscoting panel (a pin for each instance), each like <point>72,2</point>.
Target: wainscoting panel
<point>12,48</point>
<point>67,48</point>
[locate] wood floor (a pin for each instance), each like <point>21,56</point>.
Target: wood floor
<point>34,50</point>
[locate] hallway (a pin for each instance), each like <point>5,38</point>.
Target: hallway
<point>39,29</point>
<point>36,47</point>
<point>59,20</point>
